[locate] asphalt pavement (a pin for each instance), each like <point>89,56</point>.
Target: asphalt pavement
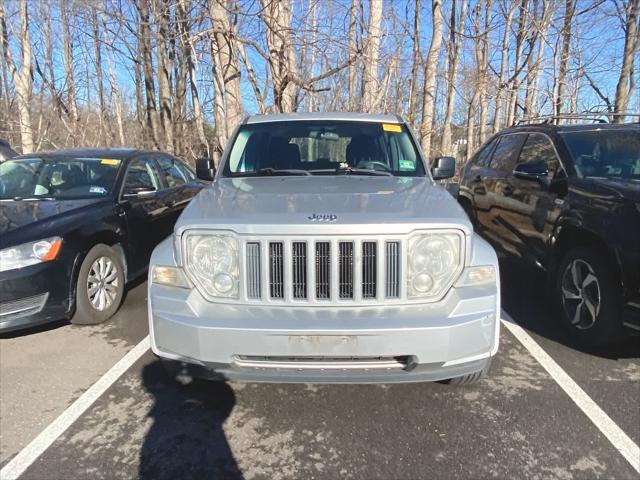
<point>518,423</point>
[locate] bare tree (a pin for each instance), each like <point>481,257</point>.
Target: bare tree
<point>370,82</point>
<point>631,45</point>
<point>569,11</point>
<point>22,78</point>
<point>456,29</point>
<point>416,62</point>
<point>429,89</point>
<point>353,75</point>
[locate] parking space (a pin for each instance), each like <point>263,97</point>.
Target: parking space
<point>517,423</point>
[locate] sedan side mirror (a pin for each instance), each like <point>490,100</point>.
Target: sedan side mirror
<point>532,171</point>
<point>139,192</point>
<point>205,169</point>
<point>443,167</point>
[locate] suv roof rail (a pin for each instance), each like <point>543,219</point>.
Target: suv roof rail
<point>595,117</point>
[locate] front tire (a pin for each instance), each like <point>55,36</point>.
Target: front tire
<point>100,286</point>
<point>471,378</point>
<point>587,297</point>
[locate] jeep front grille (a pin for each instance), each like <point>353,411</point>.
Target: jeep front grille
<point>322,271</point>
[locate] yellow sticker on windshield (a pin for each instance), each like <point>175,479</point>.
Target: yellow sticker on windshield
<point>390,127</point>
<point>109,161</point>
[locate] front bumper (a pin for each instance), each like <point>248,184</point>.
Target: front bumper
<point>450,338</point>
<point>34,295</point>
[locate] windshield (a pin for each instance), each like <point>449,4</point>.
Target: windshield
<point>57,178</point>
<point>323,148</point>
<point>605,153</point>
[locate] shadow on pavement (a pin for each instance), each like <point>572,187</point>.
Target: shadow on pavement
<point>525,299</point>
<point>186,439</point>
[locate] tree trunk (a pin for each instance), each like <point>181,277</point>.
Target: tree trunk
<point>97,49</point>
<point>353,72</point>
<point>512,102</point>
<point>415,64</point>
<point>144,39</point>
<point>504,61</point>
<point>22,79</point>
<point>67,43</point>
<point>570,6</point>
<point>164,74</point>
<point>484,66</point>
<point>631,45</point>
<point>277,19</point>
<point>226,61</point>
<point>429,90</point>
<point>453,55</point>
<point>370,83</point>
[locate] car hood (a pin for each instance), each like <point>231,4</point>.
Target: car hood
<point>27,220</point>
<point>312,202</point>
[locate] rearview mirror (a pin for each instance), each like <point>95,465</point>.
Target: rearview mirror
<point>205,169</point>
<point>139,192</point>
<point>531,171</point>
<point>443,167</point>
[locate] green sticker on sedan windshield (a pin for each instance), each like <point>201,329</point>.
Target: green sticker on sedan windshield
<point>407,165</point>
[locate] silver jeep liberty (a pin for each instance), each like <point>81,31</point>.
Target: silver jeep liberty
<point>324,252</point>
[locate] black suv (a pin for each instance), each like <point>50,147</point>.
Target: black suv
<point>567,199</point>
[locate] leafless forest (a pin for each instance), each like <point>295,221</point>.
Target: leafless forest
<point>178,75</point>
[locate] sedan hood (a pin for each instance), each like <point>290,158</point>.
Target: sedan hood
<point>311,202</point>
<point>28,220</point>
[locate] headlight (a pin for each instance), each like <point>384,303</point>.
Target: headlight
<point>212,262</point>
<point>30,253</point>
<point>170,276</point>
<point>433,261</point>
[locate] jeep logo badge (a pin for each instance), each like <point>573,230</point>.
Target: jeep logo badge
<point>323,217</point>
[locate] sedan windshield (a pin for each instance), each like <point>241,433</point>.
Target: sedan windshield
<point>57,178</point>
<point>323,148</point>
<point>605,153</point>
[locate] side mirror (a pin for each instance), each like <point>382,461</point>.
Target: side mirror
<point>443,167</point>
<point>139,192</point>
<point>536,171</point>
<point>205,170</point>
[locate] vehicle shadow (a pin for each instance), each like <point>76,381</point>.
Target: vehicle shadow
<point>186,439</point>
<point>525,299</point>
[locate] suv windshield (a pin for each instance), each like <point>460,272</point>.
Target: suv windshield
<point>57,178</point>
<point>323,148</point>
<point>605,153</point>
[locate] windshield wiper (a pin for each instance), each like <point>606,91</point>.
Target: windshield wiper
<point>351,171</point>
<point>273,171</point>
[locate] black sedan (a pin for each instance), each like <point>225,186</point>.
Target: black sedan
<point>76,225</point>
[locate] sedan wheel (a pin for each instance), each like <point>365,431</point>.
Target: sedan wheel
<point>102,283</point>
<point>581,296</point>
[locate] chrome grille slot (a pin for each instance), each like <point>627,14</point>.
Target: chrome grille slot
<point>345,270</point>
<point>392,284</point>
<point>276,270</point>
<point>323,270</point>
<point>253,270</point>
<point>299,270</point>
<point>369,272</point>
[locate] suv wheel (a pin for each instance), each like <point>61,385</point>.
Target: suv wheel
<point>100,286</point>
<point>472,378</point>
<point>587,297</point>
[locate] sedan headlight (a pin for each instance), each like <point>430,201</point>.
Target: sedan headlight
<point>30,253</point>
<point>433,261</point>
<point>212,262</point>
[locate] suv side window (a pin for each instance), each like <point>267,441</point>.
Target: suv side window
<point>173,176</point>
<point>141,174</point>
<point>538,148</point>
<point>483,157</point>
<point>186,171</point>
<point>506,153</point>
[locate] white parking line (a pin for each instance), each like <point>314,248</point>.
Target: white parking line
<point>45,439</point>
<point>620,440</point>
